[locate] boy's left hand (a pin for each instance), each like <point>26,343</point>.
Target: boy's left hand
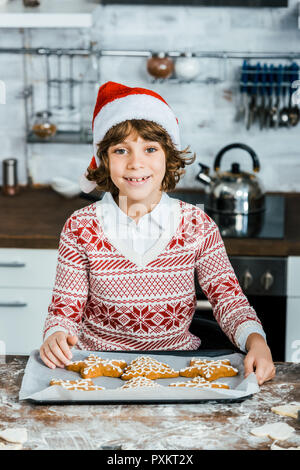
<point>259,359</point>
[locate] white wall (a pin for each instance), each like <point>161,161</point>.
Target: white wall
<point>206,117</point>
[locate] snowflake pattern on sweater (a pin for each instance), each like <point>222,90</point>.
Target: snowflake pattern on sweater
<point>111,303</point>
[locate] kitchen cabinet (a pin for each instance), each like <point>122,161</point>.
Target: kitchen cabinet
<point>293,310</point>
<point>22,316</point>
<point>26,281</point>
<point>50,14</point>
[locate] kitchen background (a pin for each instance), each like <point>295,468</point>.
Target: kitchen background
<point>263,247</point>
<point>206,110</point>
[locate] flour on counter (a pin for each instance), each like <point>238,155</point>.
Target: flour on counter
<point>279,431</point>
<point>15,435</point>
<point>287,410</point>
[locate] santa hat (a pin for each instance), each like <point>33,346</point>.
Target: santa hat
<point>117,103</point>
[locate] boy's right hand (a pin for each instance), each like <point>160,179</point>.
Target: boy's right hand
<point>56,349</point>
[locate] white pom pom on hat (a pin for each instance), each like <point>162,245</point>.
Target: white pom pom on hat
<point>117,103</point>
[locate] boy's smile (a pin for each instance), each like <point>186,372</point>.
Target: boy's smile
<point>137,167</point>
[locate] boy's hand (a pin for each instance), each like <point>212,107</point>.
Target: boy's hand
<point>56,349</point>
<point>259,359</point>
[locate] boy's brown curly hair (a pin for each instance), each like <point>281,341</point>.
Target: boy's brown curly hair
<point>176,160</point>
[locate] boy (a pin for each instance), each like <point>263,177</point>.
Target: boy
<point>125,274</point>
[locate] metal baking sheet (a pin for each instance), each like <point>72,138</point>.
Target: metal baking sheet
<point>35,385</point>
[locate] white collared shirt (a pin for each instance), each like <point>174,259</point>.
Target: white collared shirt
<point>140,236</point>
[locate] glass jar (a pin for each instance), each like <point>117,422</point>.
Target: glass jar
<point>42,126</point>
<point>160,65</point>
<point>187,66</point>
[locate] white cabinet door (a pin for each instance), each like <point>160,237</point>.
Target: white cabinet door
<point>293,276</point>
<point>27,268</point>
<point>22,316</point>
<point>292,348</point>
<point>292,344</point>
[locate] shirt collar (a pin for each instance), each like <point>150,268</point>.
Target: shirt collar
<point>158,214</point>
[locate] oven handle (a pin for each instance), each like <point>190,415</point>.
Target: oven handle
<point>12,264</point>
<point>203,305</point>
<point>17,303</point>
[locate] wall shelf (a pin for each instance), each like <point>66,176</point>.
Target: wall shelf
<point>61,137</point>
<point>50,14</point>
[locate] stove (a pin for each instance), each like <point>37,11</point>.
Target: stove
<point>262,279</point>
<point>268,224</point>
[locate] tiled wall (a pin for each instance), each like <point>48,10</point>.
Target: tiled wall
<point>205,112</point>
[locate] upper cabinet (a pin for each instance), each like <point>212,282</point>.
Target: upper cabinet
<point>203,3</point>
<point>50,14</point>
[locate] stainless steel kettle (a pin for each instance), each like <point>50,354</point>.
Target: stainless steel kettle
<point>233,191</point>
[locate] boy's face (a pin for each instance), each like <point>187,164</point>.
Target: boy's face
<point>137,158</point>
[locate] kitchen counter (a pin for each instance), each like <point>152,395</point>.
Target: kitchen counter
<point>154,427</point>
<point>34,219</point>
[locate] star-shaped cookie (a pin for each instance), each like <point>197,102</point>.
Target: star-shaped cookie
<point>145,366</point>
<point>198,382</point>
<point>210,370</point>
<point>82,384</point>
<point>94,366</point>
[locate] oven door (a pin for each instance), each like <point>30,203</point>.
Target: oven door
<point>271,311</point>
<point>208,330</point>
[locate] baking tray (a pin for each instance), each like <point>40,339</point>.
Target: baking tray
<point>35,385</point>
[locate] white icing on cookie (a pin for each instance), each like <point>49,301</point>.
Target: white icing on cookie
<point>138,382</point>
<point>198,382</point>
<point>148,367</point>
<point>208,367</point>
<point>82,384</point>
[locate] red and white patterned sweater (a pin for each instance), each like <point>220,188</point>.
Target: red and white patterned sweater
<point>113,302</point>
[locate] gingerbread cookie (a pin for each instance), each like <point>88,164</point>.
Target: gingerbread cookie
<point>138,382</point>
<point>198,382</point>
<point>82,384</point>
<point>145,366</point>
<point>210,370</point>
<point>94,366</point>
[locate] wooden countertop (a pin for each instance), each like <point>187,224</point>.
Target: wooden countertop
<point>35,217</point>
<point>162,427</point>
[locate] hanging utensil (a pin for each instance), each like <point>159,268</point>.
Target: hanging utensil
<point>294,113</point>
<point>278,77</point>
<point>284,112</point>
<point>246,94</point>
<point>243,93</point>
<point>261,111</point>
<point>47,56</point>
<point>252,105</point>
<point>59,80</point>
<point>268,111</point>
<point>71,83</point>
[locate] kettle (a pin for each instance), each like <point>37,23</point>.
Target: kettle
<point>233,191</point>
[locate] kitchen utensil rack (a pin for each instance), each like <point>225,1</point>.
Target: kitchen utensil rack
<point>266,93</point>
<point>75,136</point>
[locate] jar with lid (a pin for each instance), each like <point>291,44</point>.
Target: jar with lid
<point>160,65</point>
<point>187,66</point>
<point>10,185</point>
<point>42,126</point>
